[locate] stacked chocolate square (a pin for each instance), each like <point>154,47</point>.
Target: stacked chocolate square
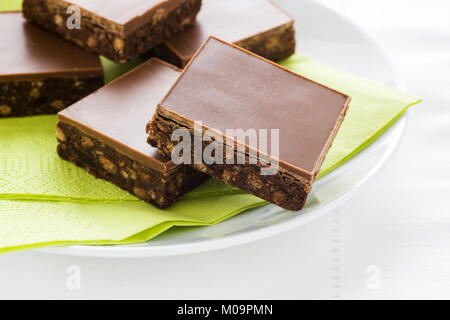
<point>231,113</point>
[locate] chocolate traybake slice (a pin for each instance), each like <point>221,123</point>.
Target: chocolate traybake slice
<point>259,26</point>
<point>39,72</point>
<point>225,88</point>
<point>120,30</point>
<point>105,134</point>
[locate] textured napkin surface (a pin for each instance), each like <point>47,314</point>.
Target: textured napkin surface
<point>32,224</point>
<point>47,201</point>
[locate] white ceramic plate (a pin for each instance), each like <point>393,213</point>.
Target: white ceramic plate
<point>330,38</point>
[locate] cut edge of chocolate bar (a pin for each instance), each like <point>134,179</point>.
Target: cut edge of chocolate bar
<point>283,188</point>
<point>284,33</point>
<point>114,40</point>
<point>33,99</point>
<point>103,161</point>
<point>34,82</point>
<point>166,51</point>
<point>257,44</point>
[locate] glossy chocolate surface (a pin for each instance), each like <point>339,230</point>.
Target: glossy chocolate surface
<point>118,113</point>
<point>226,87</point>
<point>28,52</point>
<point>230,20</point>
<point>128,13</point>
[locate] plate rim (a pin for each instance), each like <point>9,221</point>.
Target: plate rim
<point>127,251</point>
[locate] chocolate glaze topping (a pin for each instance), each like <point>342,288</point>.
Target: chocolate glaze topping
<point>28,52</point>
<point>118,113</point>
<point>226,87</point>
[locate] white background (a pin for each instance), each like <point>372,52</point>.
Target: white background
<point>392,240</point>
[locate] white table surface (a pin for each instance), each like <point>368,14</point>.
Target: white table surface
<point>391,240</point>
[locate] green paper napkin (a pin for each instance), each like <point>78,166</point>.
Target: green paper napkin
<point>34,224</point>
<point>47,201</point>
<point>11,5</point>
